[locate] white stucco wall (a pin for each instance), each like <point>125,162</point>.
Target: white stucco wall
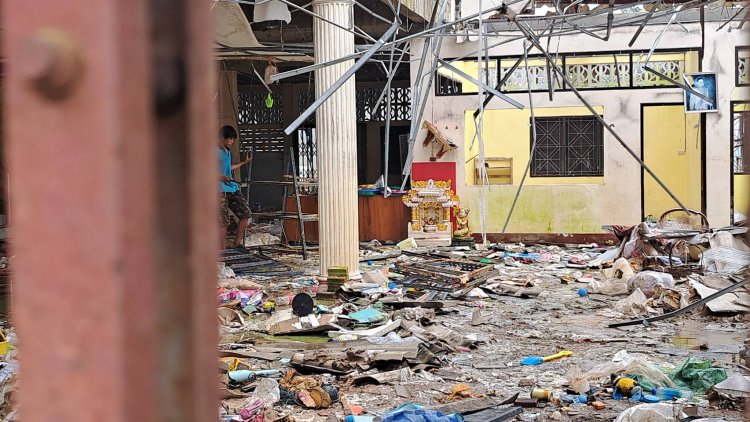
<point>618,199</point>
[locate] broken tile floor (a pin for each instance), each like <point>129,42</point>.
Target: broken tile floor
<point>510,329</point>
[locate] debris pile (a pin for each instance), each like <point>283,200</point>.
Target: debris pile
<point>510,332</point>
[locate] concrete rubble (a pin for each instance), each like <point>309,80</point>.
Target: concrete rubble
<point>509,332</point>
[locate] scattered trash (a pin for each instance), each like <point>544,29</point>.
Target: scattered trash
<point>415,413</point>
<point>735,386</point>
<point>648,281</point>
<point>651,412</point>
<point>423,318</point>
<point>634,305</point>
<point>698,375</point>
<point>537,360</point>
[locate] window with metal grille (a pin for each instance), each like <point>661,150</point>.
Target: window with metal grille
<point>306,149</point>
<point>568,146</point>
<point>599,71</point>
<point>740,115</point>
<point>252,108</point>
<point>742,63</point>
<point>261,139</point>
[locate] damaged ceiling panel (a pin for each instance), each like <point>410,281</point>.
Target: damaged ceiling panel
<point>236,38</point>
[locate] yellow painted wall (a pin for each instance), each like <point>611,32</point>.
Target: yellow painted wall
<point>741,197</point>
<point>540,208</point>
<point>672,149</point>
<point>742,193</point>
<point>547,204</point>
<point>556,204</point>
<point>507,133</point>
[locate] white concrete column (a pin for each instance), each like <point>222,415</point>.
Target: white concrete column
<point>336,131</point>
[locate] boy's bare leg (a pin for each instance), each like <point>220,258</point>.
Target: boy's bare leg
<point>241,228</point>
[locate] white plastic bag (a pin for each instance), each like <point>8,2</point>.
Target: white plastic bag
<point>634,305</point>
<point>610,287</point>
<point>268,390</point>
<point>620,269</point>
<point>651,412</point>
<point>647,281</point>
<point>622,361</point>
<point>616,279</point>
<point>577,380</point>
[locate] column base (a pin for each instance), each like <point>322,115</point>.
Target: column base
<point>352,276</point>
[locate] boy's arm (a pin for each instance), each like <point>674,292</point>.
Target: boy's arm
<point>242,163</point>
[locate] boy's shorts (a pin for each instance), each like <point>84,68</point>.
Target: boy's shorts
<point>236,202</point>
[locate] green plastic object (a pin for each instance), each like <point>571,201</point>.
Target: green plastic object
<point>697,375</point>
<point>269,101</point>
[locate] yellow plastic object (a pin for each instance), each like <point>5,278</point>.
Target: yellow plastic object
<point>4,346</point>
<point>625,385</point>
<point>231,363</point>
<point>558,355</point>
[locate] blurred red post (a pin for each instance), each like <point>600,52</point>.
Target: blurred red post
<point>110,146</point>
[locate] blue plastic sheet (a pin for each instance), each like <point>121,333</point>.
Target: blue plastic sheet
<point>420,415</point>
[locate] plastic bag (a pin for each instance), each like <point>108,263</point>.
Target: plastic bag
<point>635,304</point>
<point>259,239</point>
<point>267,390</point>
<point>651,412</point>
<point>577,380</point>
<point>649,375</point>
<point>393,338</point>
<point>647,281</point>
<point>610,287</point>
<point>225,272</point>
<point>698,375</point>
<point>620,269</point>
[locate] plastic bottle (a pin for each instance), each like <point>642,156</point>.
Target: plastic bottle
<point>352,418</point>
<point>666,393</point>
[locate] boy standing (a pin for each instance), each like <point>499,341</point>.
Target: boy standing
<point>231,198</point>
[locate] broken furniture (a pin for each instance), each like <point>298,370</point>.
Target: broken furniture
<point>678,219</point>
<point>431,203</point>
<point>444,275</point>
<point>499,170</point>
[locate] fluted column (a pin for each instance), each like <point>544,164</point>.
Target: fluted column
<point>336,130</point>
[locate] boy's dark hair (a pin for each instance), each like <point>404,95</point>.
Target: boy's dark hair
<point>228,132</point>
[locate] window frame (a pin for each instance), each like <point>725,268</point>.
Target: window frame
<point>565,148</point>
<point>732,114</point>
<point>438,77</point>
<point>737,50</point>
<point>633,55</point>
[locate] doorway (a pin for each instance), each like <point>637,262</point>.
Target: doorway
<point>672,146</point>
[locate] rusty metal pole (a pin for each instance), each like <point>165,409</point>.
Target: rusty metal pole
<point>110,140</point>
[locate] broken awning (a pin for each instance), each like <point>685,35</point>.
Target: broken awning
<point>233,32</point>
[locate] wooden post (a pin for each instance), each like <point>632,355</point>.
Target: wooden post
<point>112,154</point>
